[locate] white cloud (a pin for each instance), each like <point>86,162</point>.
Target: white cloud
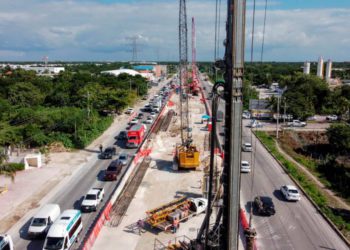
<point>86,30</point>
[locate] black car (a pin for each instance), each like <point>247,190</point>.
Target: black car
<point>140,116</point>
<point>123,135</point>
<point>108,153</point>
<point>264,205</point>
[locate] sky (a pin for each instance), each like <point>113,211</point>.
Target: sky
<point>100,30</point>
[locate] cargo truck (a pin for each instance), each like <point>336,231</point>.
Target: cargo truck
<point>135,136</point>
<point>180,209</point>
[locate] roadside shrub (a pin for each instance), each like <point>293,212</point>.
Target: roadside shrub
<point>13,167</point>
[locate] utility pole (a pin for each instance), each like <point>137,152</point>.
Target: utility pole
<point>234,62</point>
<point>278,114</point>
<point>284,114</point>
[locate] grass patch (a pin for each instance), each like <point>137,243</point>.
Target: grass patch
<point>311,189</point>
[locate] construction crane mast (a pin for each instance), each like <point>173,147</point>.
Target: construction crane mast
<point>183,50</point>
<point>194,85</point>
<point>186,153</point>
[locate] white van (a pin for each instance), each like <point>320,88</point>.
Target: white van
<point>41,222</point>
<point>6,242</point>
<point>64,232</point>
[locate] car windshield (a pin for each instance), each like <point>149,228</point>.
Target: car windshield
<point>122,157</point>
<point>293,191</point>
<point>90,197</point>
<point>132,137</point>
<point>54,243</point>
<point>245,164</point>
<point>267,201</point>
<point>38,222</point>
<point>108,150</point>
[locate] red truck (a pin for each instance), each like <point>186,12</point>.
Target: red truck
<point>135,136</point>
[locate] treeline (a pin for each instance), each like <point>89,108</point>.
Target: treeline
<point>72,108</point>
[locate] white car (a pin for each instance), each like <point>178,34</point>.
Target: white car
<point>134,121</point>
<point>245,167</point>
<point>247,147</point>
<point>92,199</point>
<point>153,114</point>
<point>296,123</point>
<point>149,120</point>
<point>290,192</point>
<point>129,111</point>
<point>331,117</point>
<point>255,124</point>
<point>246,115</point>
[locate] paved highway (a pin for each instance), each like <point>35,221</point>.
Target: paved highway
<point>296,225</point>
<point>71,195</point>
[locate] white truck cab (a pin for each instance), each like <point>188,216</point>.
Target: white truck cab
<point>92,199</point>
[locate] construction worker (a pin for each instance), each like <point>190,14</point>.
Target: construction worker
<point>175,225</point>
<point>139,225</point>
<point>101,148</point>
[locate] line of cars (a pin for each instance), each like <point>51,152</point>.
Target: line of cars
<point>263,205</point>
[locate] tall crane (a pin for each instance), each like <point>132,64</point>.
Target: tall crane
<point>187,154</point>
<point>194,85</point>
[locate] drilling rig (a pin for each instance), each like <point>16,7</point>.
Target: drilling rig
<point>187,154</point>
<point>194,85</point>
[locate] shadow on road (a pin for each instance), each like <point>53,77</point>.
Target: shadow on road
<point>77,203</point>
<point>101,175</point>
<point>24,229</point>
<point>35,245</point>
<point>277,193</point>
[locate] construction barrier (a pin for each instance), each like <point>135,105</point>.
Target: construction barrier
<point>142,152</point>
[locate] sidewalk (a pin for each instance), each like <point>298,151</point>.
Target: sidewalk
<point>33,186</point>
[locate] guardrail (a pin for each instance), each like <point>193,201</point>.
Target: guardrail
<point>103,216</point>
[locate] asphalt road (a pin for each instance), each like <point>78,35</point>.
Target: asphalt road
<point>296,225</point>
<point>71,196</point>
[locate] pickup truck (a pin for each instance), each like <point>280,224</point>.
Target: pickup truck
<point>113,171</point>
<point>296,123</point>
<point>92,199</point>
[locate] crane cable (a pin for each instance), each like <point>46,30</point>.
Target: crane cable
<point>253,153</point>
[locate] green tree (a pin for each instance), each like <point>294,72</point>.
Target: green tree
<point>339,138</point>
<point>25,94</point>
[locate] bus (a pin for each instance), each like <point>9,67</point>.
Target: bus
<point>64,232</point>
<point>6,242</point>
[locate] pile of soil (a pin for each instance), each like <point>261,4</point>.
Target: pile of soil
<point>57,147</point>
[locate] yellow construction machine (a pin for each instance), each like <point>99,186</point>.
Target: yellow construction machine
<point>187,157</point>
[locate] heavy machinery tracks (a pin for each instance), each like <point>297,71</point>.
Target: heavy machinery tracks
<point>122,203</point>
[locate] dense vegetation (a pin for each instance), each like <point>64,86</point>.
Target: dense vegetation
<point>72,108</point>
<point>304,95</point>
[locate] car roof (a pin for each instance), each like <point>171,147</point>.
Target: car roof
<point>291,187</point>
<point>124,154</point>
<point>247,144</point>
<point>93,191</point>
<point>245,162</point>
<point>266,199</point>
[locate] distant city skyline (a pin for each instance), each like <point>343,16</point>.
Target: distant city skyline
<point>98,30</point>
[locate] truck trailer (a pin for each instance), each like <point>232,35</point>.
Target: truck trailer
<point>135,136</point>
<point>180,209</point>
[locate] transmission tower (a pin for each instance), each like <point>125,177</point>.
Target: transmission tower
<point>183,50</point>
<point>134,46</point>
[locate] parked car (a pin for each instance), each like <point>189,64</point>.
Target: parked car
<point>247,147</point>
<point>153,114</point>
<point>290,192</point>
<point>246,115</point>
<point>140,116</point>
<point>245,167</point>
<point>296,123</point>
<point>331,117</point>
<point>134,121</point>
<point>264,205</point>
<point>123,158</point>
<point>129,111</point>
<point>149,120</point>
<point>92,199</point>
<point>123,135</point>
<point>108,153</point>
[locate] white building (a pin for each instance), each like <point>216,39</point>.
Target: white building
<point>306,68</point>
<point>329,69</point>
<point>117,72</point>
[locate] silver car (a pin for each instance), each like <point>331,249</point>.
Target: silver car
<point>123,158</point>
